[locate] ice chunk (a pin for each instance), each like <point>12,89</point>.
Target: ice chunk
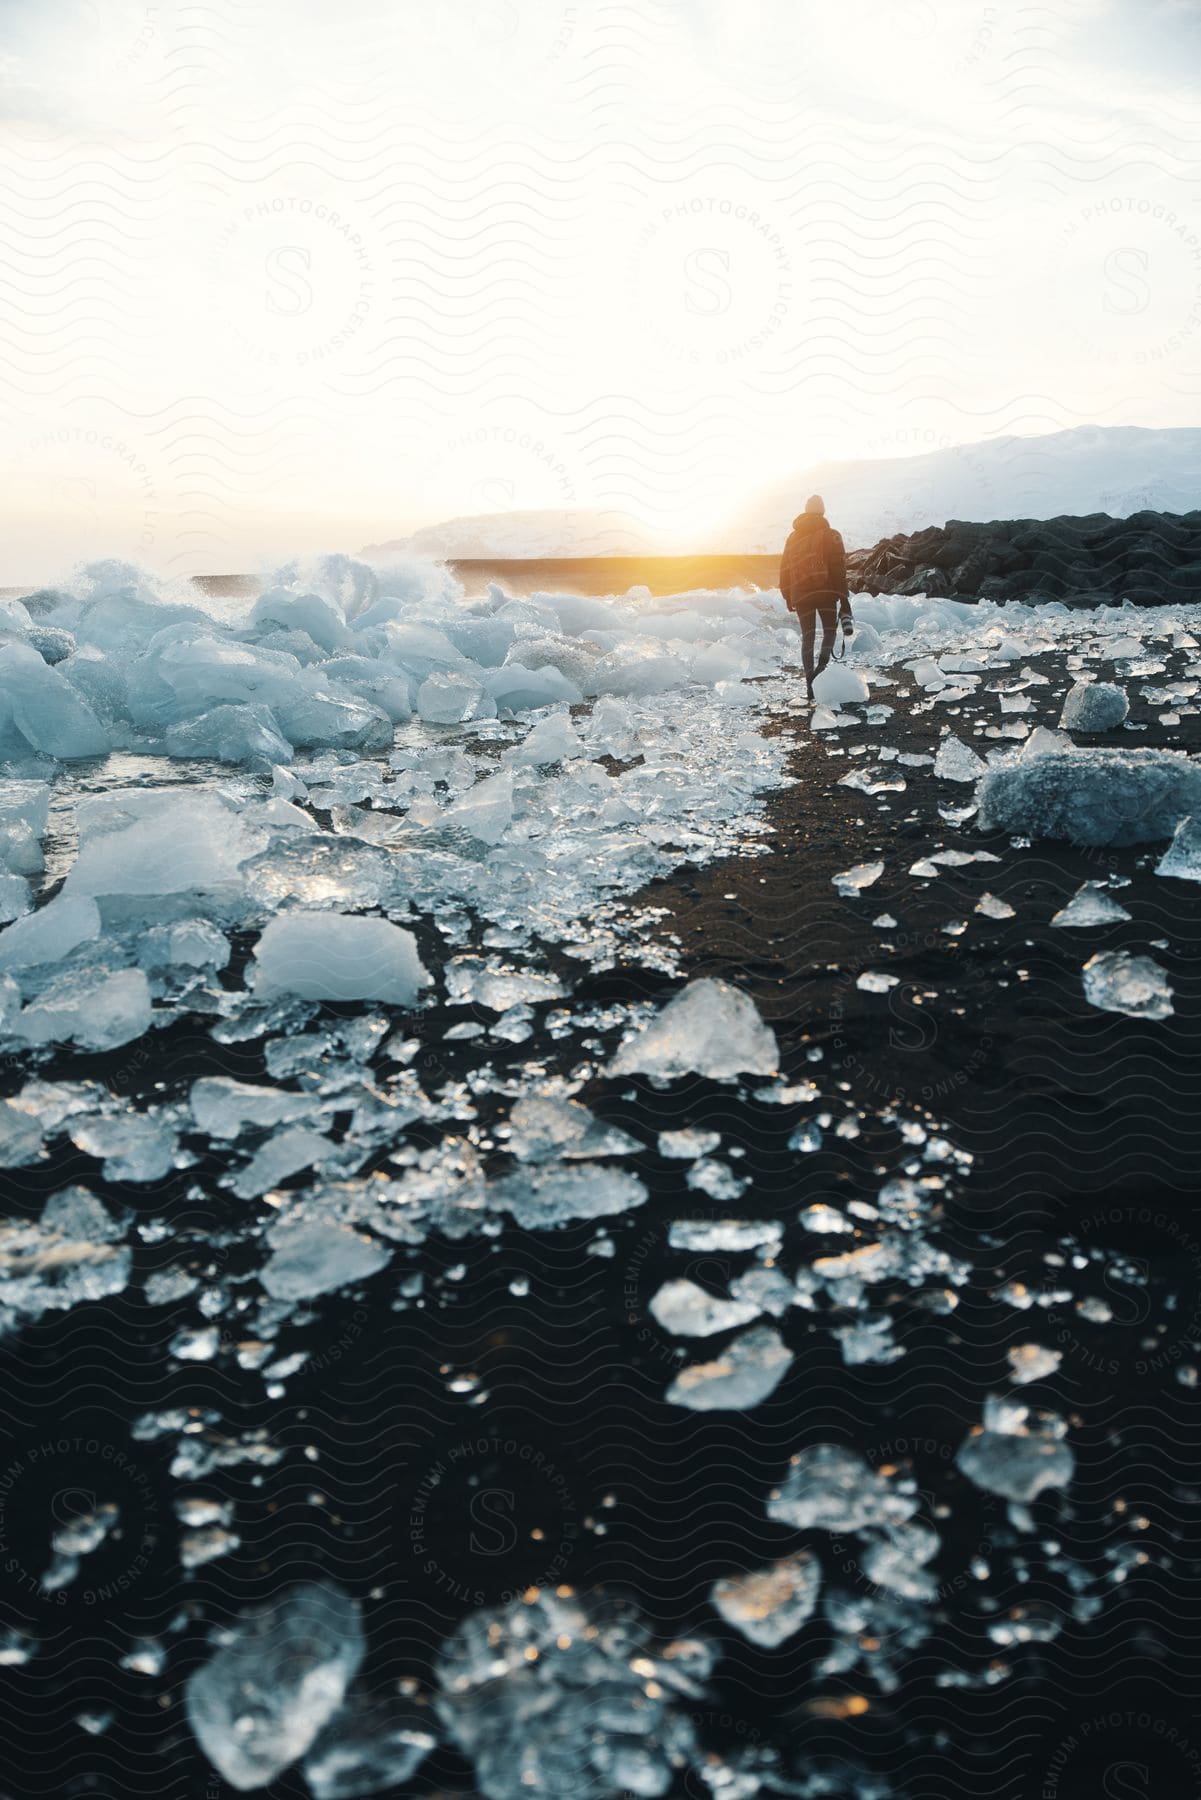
<point>486,810</point>
<point>553,739</point>
<point>281,1157</point>
<point>770,1605</point>
<point>686,1310</point>
<point>233,734</point>
<point>1181,859</point>
<point>833,1488</point>
<point>50,715</point>
<point>25,803</point>
<point>710,1028</point>
<point>749,1369</point>
<point>64,1260</point>
<point>554,1696</point>
<point>991,906</point>
<point>186,944</point>
<point>169,848</point>
<point>49,934</point>
<point>96,1010</point>
<point>1089,905</point>
<point>337,956</point>
<point>725,1234</point>
<point>224,1108</point>
<point>317,617</point>
<point>1017,1453</point>
<point>837,685</point>
<point>369,1747</point>
<point>957,761</point>
<point>874,981</point>
<point>449,697</point>
<point>1093,706</point>
<point>544,1129</point>
<point>515,688</point>
<point>1115,981</point>
<point>895,1561</point>
<point>310,1257</point>
<point>687,1143</point>
<point>1031,1362</point>
<point>131,1146</point>
<point>539,1198</point>
<point>824,718</point>
<point>853,880</point>
<point>1091,797</point>
<point>260,1701</point>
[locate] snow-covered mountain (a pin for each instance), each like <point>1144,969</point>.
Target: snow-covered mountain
<point>1091,468</point>
<point>531,535</point>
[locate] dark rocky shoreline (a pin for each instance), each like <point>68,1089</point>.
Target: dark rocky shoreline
<point>1151,558</point>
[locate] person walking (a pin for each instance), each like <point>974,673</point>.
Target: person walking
<point>813,581</point>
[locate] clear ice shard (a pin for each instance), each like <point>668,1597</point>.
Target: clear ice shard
<point>1117,982</point>
<point>835,1489</point>
<point>770,1605</point>
<point>686,1310</point>
<point>854,880</point>
<point>1182,858</point>
<point>554,1696</point>
<point>338,956</point>
<point>744,1374</point>
<point>369,1747</point>
<point>545,1129</point>
<point>1093,706</point>
<point>259,1702</point>
<point>710,1028</point>
<point>1089,905</point>
<point>957,761</point>
<point>1017,1453</point>
<point>316,1256</point>
<point>539,1198</point>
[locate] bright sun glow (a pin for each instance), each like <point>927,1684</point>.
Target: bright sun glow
<point>288,276</point>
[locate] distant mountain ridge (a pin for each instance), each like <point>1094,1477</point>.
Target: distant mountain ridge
<point>1115,469</point>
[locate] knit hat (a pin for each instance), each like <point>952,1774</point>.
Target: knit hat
<point>815,504</point>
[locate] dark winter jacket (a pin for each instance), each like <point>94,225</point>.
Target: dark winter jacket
<point>814,564</point>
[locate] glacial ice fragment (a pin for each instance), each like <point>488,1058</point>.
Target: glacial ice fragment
<point>317,1256</point>
<point>338,956</point>
<point>1017,1453</point>
<point>1117,982</point>
<point>853,881</point>
<point>768,1606</point>
<point>831,1487</point>
<point>1181,859</point>
<point>710,1028</point>
<point>1091,797</point>
<point>259,1702</point>
<point>747,1371</point>
<point>685,1310</point>
<point>1093,706</point>
<point>1089,905</point>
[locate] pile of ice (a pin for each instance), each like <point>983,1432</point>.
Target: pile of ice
<point>337,654</point>
<point>423,759</point>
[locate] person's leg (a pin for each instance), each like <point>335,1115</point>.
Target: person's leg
<point>829,618</point>
<point>806,621</point>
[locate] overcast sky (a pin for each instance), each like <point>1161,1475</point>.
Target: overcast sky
<point>290,274</point>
